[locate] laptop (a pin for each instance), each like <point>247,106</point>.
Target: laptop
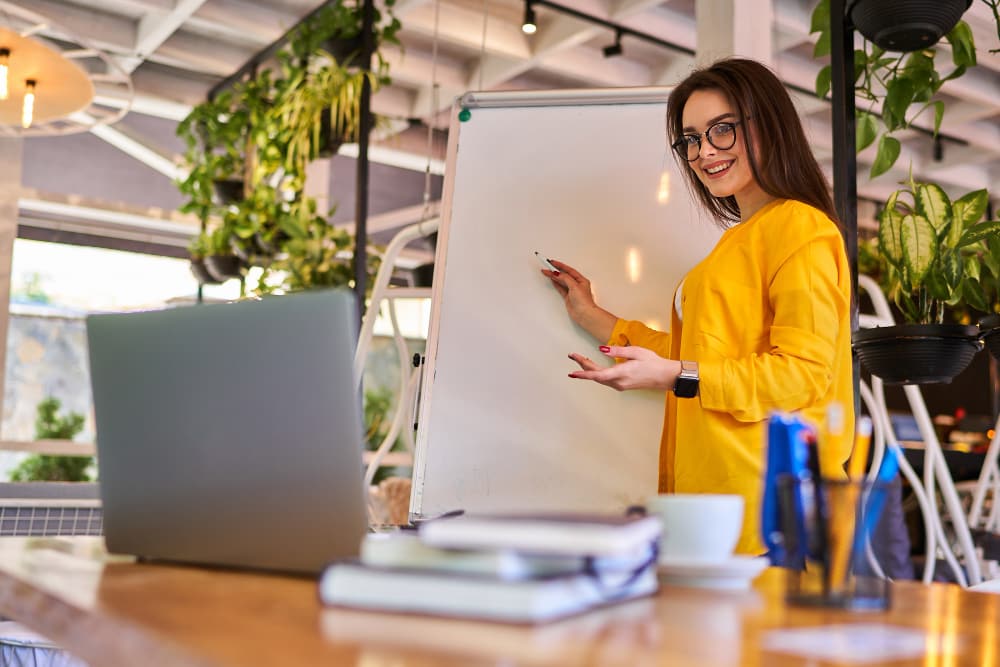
<point>230,434</point>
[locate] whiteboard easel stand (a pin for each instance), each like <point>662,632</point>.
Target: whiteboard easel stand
<point>409,376</point>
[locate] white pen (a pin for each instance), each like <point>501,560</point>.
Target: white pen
<point>546,263</point>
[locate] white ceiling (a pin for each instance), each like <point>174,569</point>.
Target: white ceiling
<point>177,49</point>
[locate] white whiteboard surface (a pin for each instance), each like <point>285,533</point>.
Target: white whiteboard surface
<point>574,175</point>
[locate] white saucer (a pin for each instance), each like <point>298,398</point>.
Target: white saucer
<point>733,574</point>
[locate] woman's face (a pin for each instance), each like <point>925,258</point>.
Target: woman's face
<point>727,171</point>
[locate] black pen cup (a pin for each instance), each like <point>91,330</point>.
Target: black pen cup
<point>826,529</point>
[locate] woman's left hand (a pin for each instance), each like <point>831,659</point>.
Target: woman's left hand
<point>642,369</point>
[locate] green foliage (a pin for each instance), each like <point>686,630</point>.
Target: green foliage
<point>32,290</point>
<point>265,131</point>
<point>49,425</point>
<point>378,410</point>
<point>317,255</point>
<point>894,83</point>
<point>932,249</point>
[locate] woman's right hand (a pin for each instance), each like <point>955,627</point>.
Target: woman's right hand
<point>579,299</point>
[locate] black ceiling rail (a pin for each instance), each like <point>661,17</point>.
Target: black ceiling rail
<point>262,56</point>
<point>624,30</point>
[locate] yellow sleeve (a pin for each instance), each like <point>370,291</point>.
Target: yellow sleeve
<point>810,299</point>
<point>632,332</point>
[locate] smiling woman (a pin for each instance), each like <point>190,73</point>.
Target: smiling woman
<point>762,323</point>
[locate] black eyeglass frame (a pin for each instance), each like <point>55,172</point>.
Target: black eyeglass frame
<point>682,142</point>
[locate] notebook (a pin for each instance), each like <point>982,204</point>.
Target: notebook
<point>230,434</point>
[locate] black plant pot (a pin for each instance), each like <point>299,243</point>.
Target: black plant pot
<point>917,353</point>
<point>906,25</point>
<point>269,245</point>
<point>342,49</point>
<point>200,272</point>
<point>226,192</point>
<point>990,330</point>
<point>223,267</point>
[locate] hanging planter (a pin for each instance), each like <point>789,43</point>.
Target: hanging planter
<point>990,328</point>
<point>917,353</point>
<point>223,267</point>
<point>906,25</point>
<point>200,272</point>
<point>227,191</point>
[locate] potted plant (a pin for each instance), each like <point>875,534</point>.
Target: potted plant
<point>989,285</point>
<point>220,260</point>
<point>199,249</point>
<point>898,87</point>
<point>318,254</point>
<point>931,251</point>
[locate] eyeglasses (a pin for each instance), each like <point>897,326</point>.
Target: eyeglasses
<point>721,135</point>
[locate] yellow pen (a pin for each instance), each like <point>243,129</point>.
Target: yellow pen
<point>859,455</point>
<point>842,530</point>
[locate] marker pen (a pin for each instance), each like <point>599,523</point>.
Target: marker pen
<point>546,263</point>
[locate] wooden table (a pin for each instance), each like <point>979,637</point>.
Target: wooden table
<point>113,612</point>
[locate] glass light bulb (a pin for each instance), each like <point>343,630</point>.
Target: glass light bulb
<point>28,107</point>
<point>4,72</point>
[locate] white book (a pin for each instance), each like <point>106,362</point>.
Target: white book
<point>562,534</point>
<point>353,584</point>
<point>405,549</point>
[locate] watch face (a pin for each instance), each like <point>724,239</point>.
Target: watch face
<point>686,387</point>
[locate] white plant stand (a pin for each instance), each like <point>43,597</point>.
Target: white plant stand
<point>937,478</point>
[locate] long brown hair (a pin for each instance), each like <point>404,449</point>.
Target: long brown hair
<point>785,167</point>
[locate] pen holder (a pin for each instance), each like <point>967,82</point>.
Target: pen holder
<point>826,528</point>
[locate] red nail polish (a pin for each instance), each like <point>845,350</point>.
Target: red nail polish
<point>555,273</point>
<point>604,348</point>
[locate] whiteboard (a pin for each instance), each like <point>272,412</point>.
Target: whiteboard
<point>577,176</point>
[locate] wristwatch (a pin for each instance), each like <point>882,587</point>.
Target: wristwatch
<point>686,385</point>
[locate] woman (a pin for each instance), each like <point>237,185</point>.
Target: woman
<point>762,323</point>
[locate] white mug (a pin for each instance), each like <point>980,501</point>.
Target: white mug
<point>697,527</point>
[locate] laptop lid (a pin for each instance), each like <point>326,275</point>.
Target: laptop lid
<point>230,434</point>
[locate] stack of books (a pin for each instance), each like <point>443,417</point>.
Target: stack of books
<point>514,568</point>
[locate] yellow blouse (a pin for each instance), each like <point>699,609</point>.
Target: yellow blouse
<point>767,318</point>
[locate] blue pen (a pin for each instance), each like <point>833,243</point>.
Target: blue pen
<point>876,499</point>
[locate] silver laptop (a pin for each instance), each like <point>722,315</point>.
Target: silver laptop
<point>230,434</point>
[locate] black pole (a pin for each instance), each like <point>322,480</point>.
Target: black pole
<point>364,131</point>
<point>845,163</point>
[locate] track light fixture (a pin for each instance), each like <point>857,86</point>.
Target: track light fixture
<point>938,149</point>
<point>528,27</point>
<point>615,49</point>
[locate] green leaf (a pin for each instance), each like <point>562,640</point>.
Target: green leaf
<point>973,267</point>
<point>973,294</point>
<point>938,115</point>
<point>977,233</point>
<point>867,130</point>
<point>889,239</point>
<point>820,20</point>
<point>899,94</point>
<point>822,47</point>
<point>934,205</point>
<point>963,45</point>
<point>919,243</point>
<point>823,82</point>
<point>951,272</point>
<point>937,288</point>
<point>973,208</point>
<point>888,153</point>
